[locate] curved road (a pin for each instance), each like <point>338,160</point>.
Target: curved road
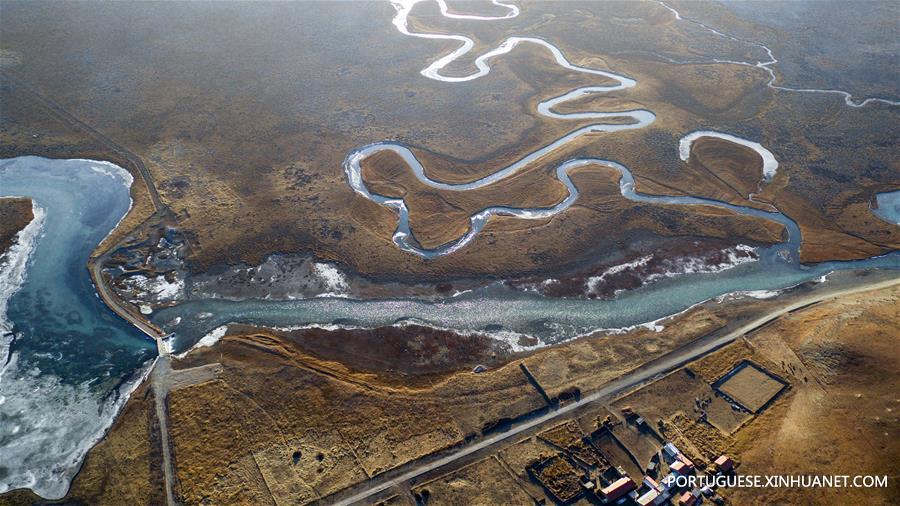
<point>650,371</point>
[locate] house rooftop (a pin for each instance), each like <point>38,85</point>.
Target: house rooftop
<point>687,499</point>
<point>724,463</point>
<point>648,498</point>
<point>618,488</point>
<point>679,467</point>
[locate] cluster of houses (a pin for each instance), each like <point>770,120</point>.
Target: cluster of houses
<point>581,470</point>
<point>669,489</point>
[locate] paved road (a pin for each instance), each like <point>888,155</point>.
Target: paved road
<point>67,117</point>
<point>162,368</point>
<point>649,371</point>
<point>103,291</point>
<point>158,381</point>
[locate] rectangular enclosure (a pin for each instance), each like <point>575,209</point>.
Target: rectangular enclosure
<point>750,385</point>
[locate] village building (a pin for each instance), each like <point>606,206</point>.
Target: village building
<point>671,450</point>
<point>681,468</point>
<point>687,499</point>
<point>724,463</point>
<point>618,488</point>
<point>648,498</point>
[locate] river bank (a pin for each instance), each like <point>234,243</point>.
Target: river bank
<point>71,362</point>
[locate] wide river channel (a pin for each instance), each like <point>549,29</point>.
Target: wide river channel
<point>70,362</point>
<point>67,362</point>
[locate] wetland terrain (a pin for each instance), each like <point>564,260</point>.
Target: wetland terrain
<point>430,252</point>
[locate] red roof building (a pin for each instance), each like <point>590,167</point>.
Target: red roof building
<point>679,467</point>
<point>687,499</point>
<point>651,483</point>
<point>724,463</point>
<point>618,488</point>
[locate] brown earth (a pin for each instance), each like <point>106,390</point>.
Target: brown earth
<point>837,417</point>
<point>245,140</point>
<point>273,399</point>
<point>360,426</point>
<point>29,127</point>
<point>751,387</point>
<point>234,436</point>
<point>559,476</point>
<point>15,214</point>
<point>440,216</point>
<point>737,169</point>
<point>486,482</point>
<point>841,414</point>
<point>411,354</point>
<point>680,391</point>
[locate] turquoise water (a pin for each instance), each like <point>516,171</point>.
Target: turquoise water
<point>498,309</point>
<point>71,354</point>
<point>71,357</point>
<point>888,207</point>
<point>506,313</point>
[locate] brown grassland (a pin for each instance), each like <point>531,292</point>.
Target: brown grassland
<point>245,140</point>
<point>15,214</point>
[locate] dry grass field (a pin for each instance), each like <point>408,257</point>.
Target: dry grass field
<point>840,416</point>
<point>243,115</point>
<point>751,387</point>
<point>275,184</point>
<point>15,214</point>
<point>483,483</point>
<point>322,425</point>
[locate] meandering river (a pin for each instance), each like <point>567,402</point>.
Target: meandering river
<point>69,362</point>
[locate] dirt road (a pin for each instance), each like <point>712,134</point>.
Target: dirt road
<point>646,373</point>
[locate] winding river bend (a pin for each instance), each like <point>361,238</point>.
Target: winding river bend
<point>68,363</point>
<point>405,239</point>
<point>768,64</point>
<point>84,360</point>
<point>508,314</point>
<point>888,207</point>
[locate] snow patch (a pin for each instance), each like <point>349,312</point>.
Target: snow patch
<point>333,279</point>
<point>159,288</point>
<point>594,281</point>
<point>13,270</point>
<point>206,341</point>
<point>671,268</point>
<point>770,164</point>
